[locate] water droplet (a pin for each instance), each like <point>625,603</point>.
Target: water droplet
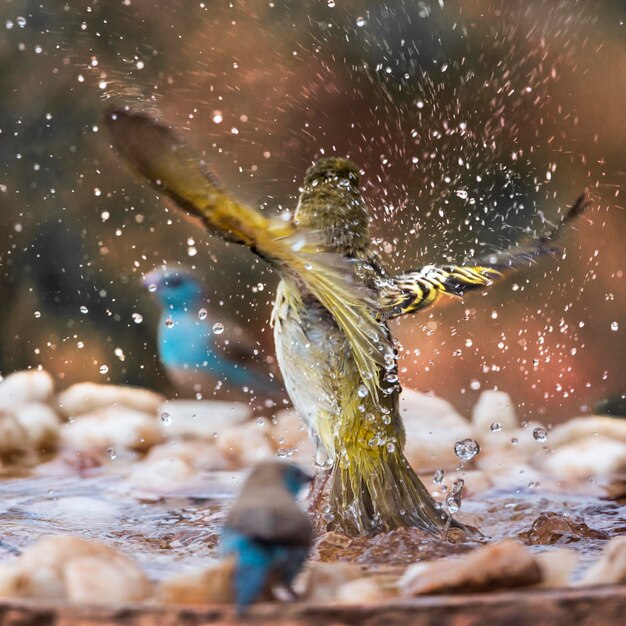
<point>455,497</point>
<point>84,309</point>
<point>374,441</point>
<point>202,313</point>
<point>362,391</point>
<point>166,419</point>
<point>112,453</point>
<point>331,3</point>
<point>152,287</point>
<point>391,447</point>
<point>540,434</point>
<point>360,22</point>
<point>466,449</point>
<point>21,21</point>
<point>37,314</point>
<point>104,369</point>
<point>474,384</point>
<point>496,427</point>
<point>218,328</point>
<point>392,377</point>
<point>137,318</point>
<point>614,326</point>
<point>440,474</point>
<point>217,117</point>
<point>169,322</point>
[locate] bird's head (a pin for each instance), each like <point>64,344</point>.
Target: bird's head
<point>176,288</point>
<point>278,474</point>
<point>342,172</point>
<point>331,204</point>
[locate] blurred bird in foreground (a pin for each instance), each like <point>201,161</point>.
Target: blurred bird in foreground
<point>333,344</point>
<point>266,532</point>
<point>200,353</point>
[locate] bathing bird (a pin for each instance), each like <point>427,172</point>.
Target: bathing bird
<point>266,532</point>
<point>333,303</point>
<point>202,354</point>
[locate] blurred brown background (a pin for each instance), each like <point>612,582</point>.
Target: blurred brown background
<point>473,121</point>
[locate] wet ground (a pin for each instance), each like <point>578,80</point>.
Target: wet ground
<point>170,533</point>
<point>163,533</point>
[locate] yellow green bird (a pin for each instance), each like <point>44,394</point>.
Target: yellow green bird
<point>334,300</point>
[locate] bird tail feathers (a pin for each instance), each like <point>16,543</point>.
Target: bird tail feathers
<point>378,491</point>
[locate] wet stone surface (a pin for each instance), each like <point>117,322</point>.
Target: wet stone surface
<point>162,534</point>
<point>169,533</point>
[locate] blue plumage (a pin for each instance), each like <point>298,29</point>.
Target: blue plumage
<point>266,532</point>
<point>201,354</point>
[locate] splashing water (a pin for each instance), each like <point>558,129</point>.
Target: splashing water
<point>466,449</point>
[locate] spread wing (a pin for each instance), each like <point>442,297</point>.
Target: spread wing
<point>415,290</point>
<point>156,153</point>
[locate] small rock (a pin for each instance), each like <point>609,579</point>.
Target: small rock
<point>610,568</point>
<point>587,457</point>
<point>588,428</point>
<point>113,427</point>
<point>87,397</point>
<point>13,437</point>
<point>502,565</point>
<point>556,567</point>
<point>201,455</point>
<point>41,424</point>
<point>24,387</point>
<point>209,586</point>
<point>614,486</point>
<point>494,407</point>
<point>161,476</point>
<point>200,419</point>
<point>550,528</point>
<point>10,582</point>
<point>432,427</point>
<point>321,581</point>
<point>243,446</point>
<point>75,569</point>
<point>104,580</point>
<point>371,590</point>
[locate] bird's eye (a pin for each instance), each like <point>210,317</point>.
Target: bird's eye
<point>175,281</point>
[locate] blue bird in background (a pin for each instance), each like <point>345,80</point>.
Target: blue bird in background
<point>202,355</point>
<point>266,532</point>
